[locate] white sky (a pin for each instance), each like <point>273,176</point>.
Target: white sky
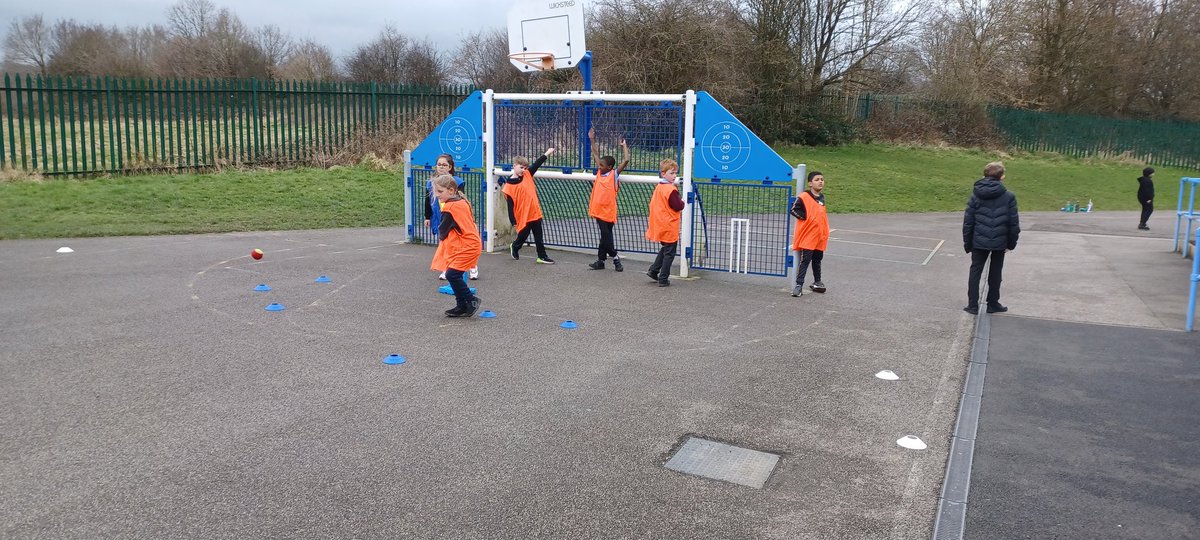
<point>339,24</point>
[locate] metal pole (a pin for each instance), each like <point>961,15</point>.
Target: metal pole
<point>409,216</point>
<point>1191,315</point>
<point>585,70</point>
<point>689,147</point>
<point>489,165</point>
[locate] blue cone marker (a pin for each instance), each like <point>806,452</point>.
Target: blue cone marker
<point>275,307</point>
<point>322,279</point>
<point>262,287</point>
<point>568,324</point>
<point>394,359</point>
<point>446,289</point>
<point>487,314</point>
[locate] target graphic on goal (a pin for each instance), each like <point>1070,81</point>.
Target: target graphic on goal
<point>458,138</point>
<point>725,147</point>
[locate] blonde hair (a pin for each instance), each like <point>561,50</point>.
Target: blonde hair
<point>446,182</point>
<point>995,169</point>
<point>521,160</point>
<point>666,165</point>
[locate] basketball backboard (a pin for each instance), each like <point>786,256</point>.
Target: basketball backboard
<point>546,34</point>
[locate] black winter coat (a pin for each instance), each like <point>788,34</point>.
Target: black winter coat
<point>1145,189</point>
<point>991,221</point>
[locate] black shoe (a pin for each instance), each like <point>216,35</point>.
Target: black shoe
<point>973,310</point>
<point>996,308</point>
<point>817,287</point>
<point>664,283</point>
<point>514,251</point>
<point>652,276</point>
<point>455,312</point>
<point>1143,227</point>
<point>598,265</point>
<point>545,260</point>
<point>617,265</point>
<point>472,307</point>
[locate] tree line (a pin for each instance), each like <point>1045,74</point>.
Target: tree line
<point>769,59</point>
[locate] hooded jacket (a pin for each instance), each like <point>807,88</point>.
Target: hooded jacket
<point>1145,189</point>
<point>991,221</point>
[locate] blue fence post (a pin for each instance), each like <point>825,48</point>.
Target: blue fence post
<point>1191,315</point>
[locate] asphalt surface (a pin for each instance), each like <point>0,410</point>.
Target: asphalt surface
<point>147,393</point>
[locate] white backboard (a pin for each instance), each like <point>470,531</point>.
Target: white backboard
<point>551,27</point>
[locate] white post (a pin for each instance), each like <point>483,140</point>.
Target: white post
<point>409,217</point>
<point>489,164</point>
<point>799,174</point>
<point>689,146</point>
<point>739,245</point>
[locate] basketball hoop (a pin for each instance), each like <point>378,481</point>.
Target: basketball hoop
<point>541,61</point>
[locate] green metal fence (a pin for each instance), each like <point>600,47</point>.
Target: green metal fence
<point>1157,142</point>
<point>1174,144</point>
<point>84,125</point>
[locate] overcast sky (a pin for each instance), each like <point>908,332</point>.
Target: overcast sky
<point>339,24</point>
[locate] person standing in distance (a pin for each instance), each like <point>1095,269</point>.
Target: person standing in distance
<point>991,226</point>
<point>1146,196</point>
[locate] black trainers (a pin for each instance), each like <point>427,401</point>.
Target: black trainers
<point>455,312</point>
<point>973,310</point>
<point>514,251</point>
<point>1143,227</point>
<point>664,283</point>
<point>472,307</point>
<point>617,265</point>
<point>652,276</point>
<point>598,265</point>
<point>817,287</point>
<point>545,260</point>
<point>996,308</point>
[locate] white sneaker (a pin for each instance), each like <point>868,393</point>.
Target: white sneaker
<point>442,276</point>
<point>475,273</point>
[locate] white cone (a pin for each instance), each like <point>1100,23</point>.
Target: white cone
<point>887,375</point>
<point>911,442</point>
<point>65,249</point>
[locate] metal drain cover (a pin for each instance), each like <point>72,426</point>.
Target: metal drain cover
<point>720,461</point>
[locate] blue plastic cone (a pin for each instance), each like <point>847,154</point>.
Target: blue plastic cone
<point>322,279</point>
<point>394,359</point>
<point>487,314</point>
<point>262,287</point>
<point>569,325</point>
<point>446,289</point>
<point>275,307</point>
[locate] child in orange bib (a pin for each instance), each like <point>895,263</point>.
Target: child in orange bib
<point>603,204</point>
<point>665,208</point>
<point>524,209</point>
<point>812,232</point>
<point>459,246</point>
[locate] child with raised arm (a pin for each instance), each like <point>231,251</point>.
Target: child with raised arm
<point>433,208</point>
<point>603,203</point>
<point>665,208</point>
<point>524,209</point>
<point>812,232</point>
<point>459,246</point>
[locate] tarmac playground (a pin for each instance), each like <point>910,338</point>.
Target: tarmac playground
<point>147,393</point>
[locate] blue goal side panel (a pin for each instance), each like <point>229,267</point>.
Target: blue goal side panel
<point>460,135</point>
<point>726,149</point>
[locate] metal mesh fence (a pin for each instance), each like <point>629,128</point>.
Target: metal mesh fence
<point>741,226</point>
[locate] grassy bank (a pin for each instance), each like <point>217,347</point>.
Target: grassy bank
<point>882,178</point>
<point>861,178</point>
<point>251,200</point>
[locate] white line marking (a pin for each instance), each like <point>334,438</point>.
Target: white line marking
<point>935,250</point>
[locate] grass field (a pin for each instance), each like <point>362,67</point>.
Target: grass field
<point>860,178</point>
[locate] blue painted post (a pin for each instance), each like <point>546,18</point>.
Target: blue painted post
<point>1191,316</point>
<point>1191,212</point>
<point>585,69</point>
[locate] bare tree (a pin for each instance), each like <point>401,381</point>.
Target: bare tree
<point>191,19</point>
<point>965,50</point>
<point>276,47</point>
<point>482,61</point>
<point>28,43</point>
<point>394,58</point>
<point>309,61</point>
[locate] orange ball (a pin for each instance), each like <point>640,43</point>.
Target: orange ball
<point>256,253</point>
